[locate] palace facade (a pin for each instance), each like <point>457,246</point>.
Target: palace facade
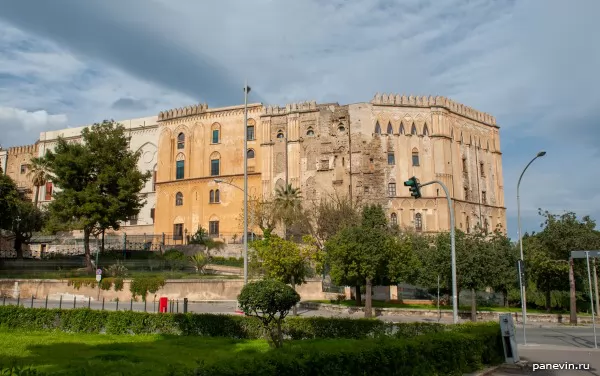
<point>366,150</point>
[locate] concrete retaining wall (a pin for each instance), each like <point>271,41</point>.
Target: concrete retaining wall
<point>481,315</point>
<point>193,289</point>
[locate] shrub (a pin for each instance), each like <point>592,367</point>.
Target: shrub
<point>78,282</point>
<point>175,260</point>
<point>199,261</point>
<point>141,286</point>
<point>117,270</point>
<point>270,301</point>
<point>18,371</point>
<point>237,262</point>
<point>118,284</point>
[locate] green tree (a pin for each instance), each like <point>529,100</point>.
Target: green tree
<point>506,256</point>
<point>270,301</point>
<point>19,216</point>
<point>284,260</point>
<point>330,215</point>
<point>99,182</point>
<point>358,255</point>
<point>288,206</point>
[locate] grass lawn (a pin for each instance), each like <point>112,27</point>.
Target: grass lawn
<point>382,304</point>
<point>89,354</point>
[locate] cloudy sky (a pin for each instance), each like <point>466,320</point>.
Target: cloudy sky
<point>533,64</point>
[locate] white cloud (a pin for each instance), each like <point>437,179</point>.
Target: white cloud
<point>15,121</point>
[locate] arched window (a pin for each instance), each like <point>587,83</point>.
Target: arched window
<point>415,157</point>
<point>180,166</point>
<point>181,140</point>
<point>217,196</point>
<point>413,129</point>
<point>310,132</point>
<point>394,219</point>
<point>178,199</point>
<point>402,131</point>
<point>250,154</point>
<point>425,130</point>
<point>418,222</point>
<point>390,129</point>
<point>280,134</point>
<point>215,164</point>
<point>377,128</point>
<point>464,164</point>
<point>215,133</point>
<point>211,196</point>
<point>341,128</point>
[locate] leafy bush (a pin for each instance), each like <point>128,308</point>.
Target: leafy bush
<point>199,261</point>
<point>270,301</point>
<point>18,371</point>
<point>141,286</point>
<point>78,282</point>
<point>237,262</point>
<point>117,270</point>
<point>445,353</point>
<point>175,260</point>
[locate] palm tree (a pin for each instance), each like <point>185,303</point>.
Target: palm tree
<point>288,205</point>
<point>38,173</point>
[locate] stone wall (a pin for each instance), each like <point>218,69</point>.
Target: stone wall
<point>194,290</point>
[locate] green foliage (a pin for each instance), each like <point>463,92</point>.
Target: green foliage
<point>446,353</point>
<point>199,261</point>
<point>16,370</point>
<point>284,260</point>
<point>117,270</point>
<point>118,284</point>
<point>270,301</point>
<point>237,262</point>
<point>78,282</point>
<point>98,181</point>
<point>175,259</point>
<point>141,286</point>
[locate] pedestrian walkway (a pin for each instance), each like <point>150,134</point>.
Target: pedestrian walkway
<point>562,361</point>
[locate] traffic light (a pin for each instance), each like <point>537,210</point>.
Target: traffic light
<point>413,184</point>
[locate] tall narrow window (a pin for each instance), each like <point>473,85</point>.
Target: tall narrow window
<point>215,167</point>
<point>250,153</point>
<point>48,195</point>
<point>391,158</point>
<point>466,193</point>
<point>180,141</point>
<point>390,129</point>
<point>180,170</point>
<point>178,231</point>
<point>402,131</point>
<point>483,197</point>
<point>23,168</point>
<point>392,189</point>
<point>211,198</point>
<point>250,133</point>
<point>468,225</point>
<point>179,199</point>
<point>464,164</point>
<point>152,213</point>
<point>394,219</point>
<point>482,169</point>
<point>217,196</point>
<point>215,136</point>
<point>418,222</point>
<point>213,228</point>
<point>377,128</point>
<point>415,157</point>
<point>425,130</point>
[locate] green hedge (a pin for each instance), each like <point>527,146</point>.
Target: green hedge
<point>209,325</point>
<point>463,350</point>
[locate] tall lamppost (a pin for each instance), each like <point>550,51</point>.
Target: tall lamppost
<point>246,91</point>
<point>522,260</point>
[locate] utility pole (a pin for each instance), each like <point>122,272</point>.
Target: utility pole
<point>246,91</point>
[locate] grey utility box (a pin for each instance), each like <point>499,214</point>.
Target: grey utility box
<point>509,340</point>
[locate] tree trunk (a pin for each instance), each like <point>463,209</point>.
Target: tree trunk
<point>473,305</point>
<point>86,248</point>
<point>357,298</point>
<point>295,307</point>
<point>37,195</point>
<point>368,299</point>
<point>102,247</point>
<point>19,246</point>
<point>505,296</point>
<point>548,299</point>
<point>573,297</point>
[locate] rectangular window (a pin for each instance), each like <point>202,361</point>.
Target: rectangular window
<point>466,194</point>
<point>152,213</point>
<point>392,190</point>
<point>178,231</point>
<point>483,197</point>
<point>482,169</point>
<point>213,228</point>
<point>415,159</point>
<point>250,133</point>
<point>23,168</point>
<point>215,136</point>
<point>214,167</point>
<point>366,189</point>
<point>180,173</point>
<point>391,159</point>
<point>464,165</point>
<point>48,195</point>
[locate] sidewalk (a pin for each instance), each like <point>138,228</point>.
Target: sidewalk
<point>535,358</point>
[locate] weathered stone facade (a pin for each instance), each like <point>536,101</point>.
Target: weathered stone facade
<point>366,149</point>
<point>17,162</point>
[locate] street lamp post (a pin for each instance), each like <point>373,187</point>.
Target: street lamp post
<point>246,91</point>
<point>521,271</point>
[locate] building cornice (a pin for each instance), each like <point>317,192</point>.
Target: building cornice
<point>205,178</point>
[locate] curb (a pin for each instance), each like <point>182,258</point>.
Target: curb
<point>522,365</point>
<point>484,372</point>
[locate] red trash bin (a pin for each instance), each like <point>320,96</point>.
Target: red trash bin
<point>162,305</point>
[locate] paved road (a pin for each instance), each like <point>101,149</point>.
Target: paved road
<point>544,360</point>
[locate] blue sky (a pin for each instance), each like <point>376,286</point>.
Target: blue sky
<point>532,64</point>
